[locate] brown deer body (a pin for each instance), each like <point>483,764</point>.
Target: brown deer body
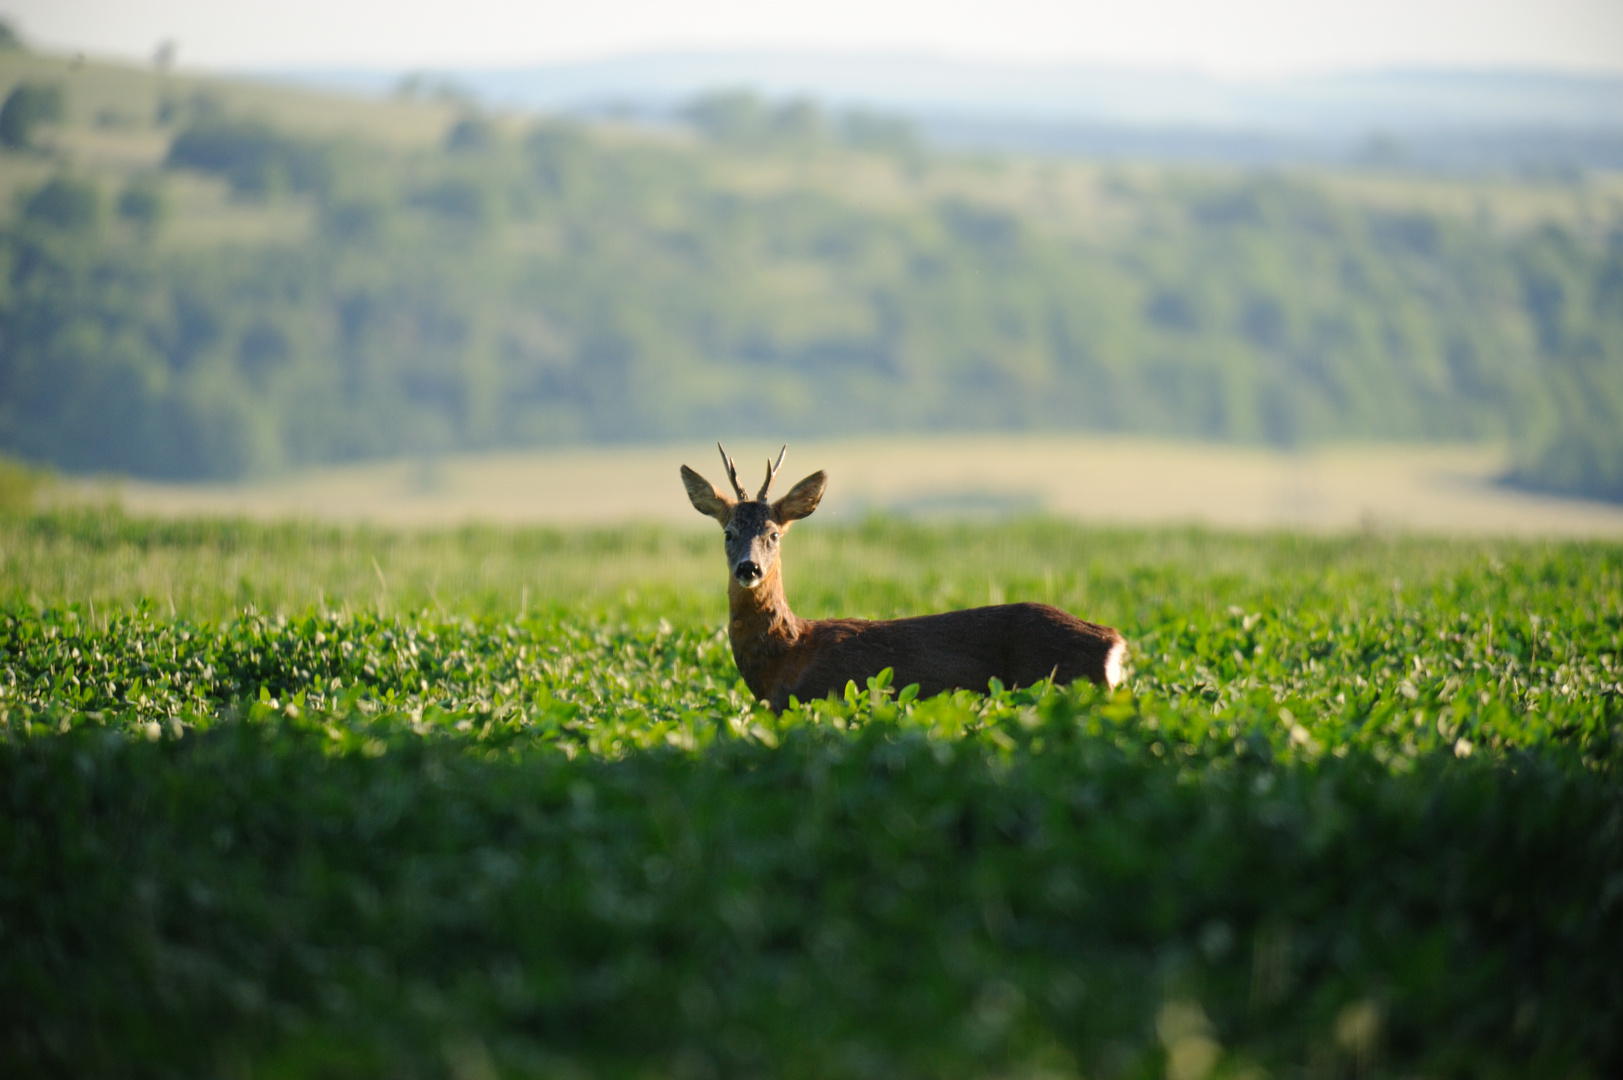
<point>781,655</point>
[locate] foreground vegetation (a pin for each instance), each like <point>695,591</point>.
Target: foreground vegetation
<point>291,800</point>
<point>210,280</point>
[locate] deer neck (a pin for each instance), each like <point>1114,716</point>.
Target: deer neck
<point>760,625</point>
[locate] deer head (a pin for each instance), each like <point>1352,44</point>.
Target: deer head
<point>753,527</point>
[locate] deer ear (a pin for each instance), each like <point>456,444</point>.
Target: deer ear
<point>801,500</point>
<point>705,498</point>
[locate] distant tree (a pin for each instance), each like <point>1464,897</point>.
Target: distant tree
<point>255,157</point>
<point>142,203</point>
<point>27,106</point>
<point>410,86</point>
<point>66,204</point>
<point>1416,232</point>
<point>867,130</point>
<point>262,350</point>
<point>1172,310</point>
<point>731,116</point>
<point>457,200</point>
<point>355,220</point>
<point>10,40</point>
<point>740,117</point>
<point>990,229</point>
<point>470,134</point>
<point>797,121</point>
<point>1574,298</point>
<point>559,153</point>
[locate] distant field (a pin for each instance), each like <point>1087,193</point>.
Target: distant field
<point>1434,489</point>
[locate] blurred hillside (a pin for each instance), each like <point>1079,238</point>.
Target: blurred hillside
<point>1506,119</point>
<point>218,279</point>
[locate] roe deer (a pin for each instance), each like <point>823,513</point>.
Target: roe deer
<point>780,654</point>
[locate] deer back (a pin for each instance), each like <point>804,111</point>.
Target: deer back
<point>1017,644</point>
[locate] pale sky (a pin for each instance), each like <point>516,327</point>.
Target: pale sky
<point>1239,38</point>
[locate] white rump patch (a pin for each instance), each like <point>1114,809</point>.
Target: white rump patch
<point>1113,664</point>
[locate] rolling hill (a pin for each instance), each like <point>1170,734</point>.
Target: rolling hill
<point>215,278</point>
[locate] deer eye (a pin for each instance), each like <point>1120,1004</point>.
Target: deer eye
<point>729,534</point>
<point>773,537</point>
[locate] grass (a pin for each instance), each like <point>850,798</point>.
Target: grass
<point>305,800</point>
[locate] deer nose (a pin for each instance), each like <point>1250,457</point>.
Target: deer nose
<point>747,570</point>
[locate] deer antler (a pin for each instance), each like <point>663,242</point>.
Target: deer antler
<point>771,471</point>
<point>732,473</point>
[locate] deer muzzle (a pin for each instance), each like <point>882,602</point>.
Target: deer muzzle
<point>748,573</point>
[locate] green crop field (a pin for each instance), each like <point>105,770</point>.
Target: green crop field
<point>299,800</point>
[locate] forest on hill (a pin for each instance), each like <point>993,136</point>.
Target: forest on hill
<point>222,280</point>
